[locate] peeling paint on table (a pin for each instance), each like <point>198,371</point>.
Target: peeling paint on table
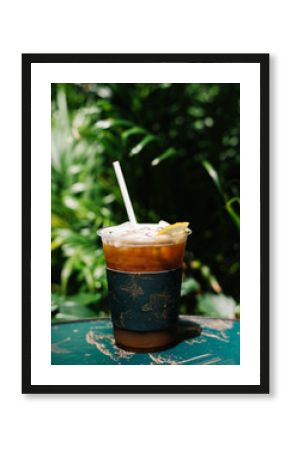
<point>202,341</point>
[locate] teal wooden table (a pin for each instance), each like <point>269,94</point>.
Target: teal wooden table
<point>201,341</point>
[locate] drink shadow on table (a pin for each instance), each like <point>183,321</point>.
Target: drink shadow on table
<point>187,329</point>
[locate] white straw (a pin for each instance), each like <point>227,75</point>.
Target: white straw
<point>124,192</point>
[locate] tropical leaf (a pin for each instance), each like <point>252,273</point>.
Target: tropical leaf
<point>213,174</point>
<point>169,153</point>
<point>132,131</point>
<point>66,272</point>
<point>217,306</point>
<point>142,144</point>
<point>234,215</point>
<point>189,285</point>
<point>228,203</point>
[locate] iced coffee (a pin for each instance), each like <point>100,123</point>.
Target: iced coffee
<point>144,267</point>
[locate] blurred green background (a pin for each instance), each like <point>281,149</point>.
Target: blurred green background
<point>179,149</point>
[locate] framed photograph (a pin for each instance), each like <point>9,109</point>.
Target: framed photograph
<point>145,232</point>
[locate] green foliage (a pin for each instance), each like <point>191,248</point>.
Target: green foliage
<point>228,203</point>
<point>216,305</point>
<point>179,149</point>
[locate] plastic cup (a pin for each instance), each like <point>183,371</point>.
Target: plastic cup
<point>144,282</point>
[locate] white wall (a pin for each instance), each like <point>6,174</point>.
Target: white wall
<point>76,422</point>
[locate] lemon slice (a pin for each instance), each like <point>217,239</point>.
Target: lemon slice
<point>176,228</point>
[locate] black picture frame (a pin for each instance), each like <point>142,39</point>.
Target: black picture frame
<point>263,61</point>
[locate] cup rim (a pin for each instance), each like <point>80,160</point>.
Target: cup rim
<point>101,233</point>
